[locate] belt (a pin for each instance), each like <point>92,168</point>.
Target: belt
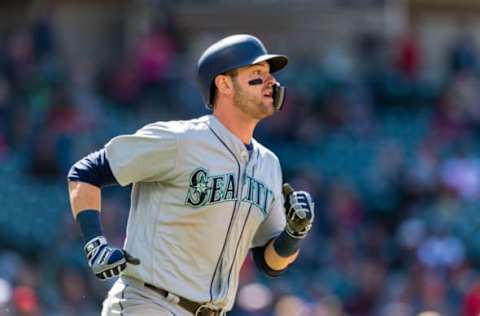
<point>195,308</point>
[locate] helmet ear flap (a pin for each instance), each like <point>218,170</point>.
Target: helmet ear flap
<point>278,96</point>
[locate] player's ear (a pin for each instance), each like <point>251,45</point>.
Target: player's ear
<point>224,84</point>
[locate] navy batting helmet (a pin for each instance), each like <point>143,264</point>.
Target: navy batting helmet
<point>230,53</point>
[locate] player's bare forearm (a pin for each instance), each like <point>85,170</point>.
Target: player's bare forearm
<point>275,261</point>
<point>83,196</point>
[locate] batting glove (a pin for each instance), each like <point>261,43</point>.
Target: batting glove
<point>299,208</point>
<point>105,261</point>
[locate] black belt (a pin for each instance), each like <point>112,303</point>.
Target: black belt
<point>195,308</point>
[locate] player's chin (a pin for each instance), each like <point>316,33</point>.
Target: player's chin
<point>266,109</point>
<point>268,105</point>
<point>267,101</point>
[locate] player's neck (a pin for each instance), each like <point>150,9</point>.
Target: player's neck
<point>237,123</point>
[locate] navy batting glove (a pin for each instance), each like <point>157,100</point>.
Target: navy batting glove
<point>299,208</point>
<point>105,261</point>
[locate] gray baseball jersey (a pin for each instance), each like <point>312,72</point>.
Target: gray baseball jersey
<point>199,202</point>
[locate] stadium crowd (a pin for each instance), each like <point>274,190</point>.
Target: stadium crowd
<point>391,158</point>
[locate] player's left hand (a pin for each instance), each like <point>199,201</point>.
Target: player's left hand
<point>106,261</point>
<point>299,208</point>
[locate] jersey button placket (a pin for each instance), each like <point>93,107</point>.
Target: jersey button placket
<point>245,159</point>
<point>244,155</point>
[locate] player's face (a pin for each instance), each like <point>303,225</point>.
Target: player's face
<point>255,100</point>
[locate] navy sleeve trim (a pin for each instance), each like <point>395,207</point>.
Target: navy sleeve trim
<point>93,169</point>
<point>258,255</point>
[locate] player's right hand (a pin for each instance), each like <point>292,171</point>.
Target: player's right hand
<point>106,261</point>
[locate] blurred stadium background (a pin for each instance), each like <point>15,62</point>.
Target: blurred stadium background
<point>382,124</point>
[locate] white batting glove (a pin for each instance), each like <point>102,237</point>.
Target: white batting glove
<point>106,261</point>
<point>299,208</point>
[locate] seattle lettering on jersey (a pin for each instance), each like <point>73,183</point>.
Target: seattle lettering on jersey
<point>205,189</point>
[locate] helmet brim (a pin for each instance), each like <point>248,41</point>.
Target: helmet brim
<point>276,62</point>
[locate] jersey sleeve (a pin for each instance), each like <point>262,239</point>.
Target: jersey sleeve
<point>148,155</point>
<point>275,221</point>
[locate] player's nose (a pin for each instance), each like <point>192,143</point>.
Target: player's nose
<point>269,80</point>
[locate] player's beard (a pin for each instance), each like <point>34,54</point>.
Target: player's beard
<point>251,105</point>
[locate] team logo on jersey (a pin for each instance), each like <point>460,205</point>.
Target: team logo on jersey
<point>205,189</point>
<point>258,194</point>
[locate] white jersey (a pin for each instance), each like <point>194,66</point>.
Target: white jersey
<point>199,202</point>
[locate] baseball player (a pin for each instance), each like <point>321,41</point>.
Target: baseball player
<point>204,194</point>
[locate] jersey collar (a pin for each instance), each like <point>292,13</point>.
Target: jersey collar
<point>231,140</point>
